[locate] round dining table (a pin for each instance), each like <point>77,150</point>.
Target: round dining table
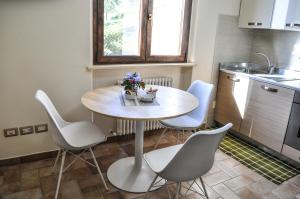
<point>132,174</point>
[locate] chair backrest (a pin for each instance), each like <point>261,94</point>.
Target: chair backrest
<point>57,120</point>
<point>196,157</point>
<point>203,92</point>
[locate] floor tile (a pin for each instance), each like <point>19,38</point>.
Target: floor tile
<point>221,156</point>
<point>28,194</point>
<point>216,178</point>
<point>245,193</point>
<point>71,190</point>
<point>37,164</point>
<point>113,195</point>
<point>106,161</point>
<point>47,171</point>
<point>11,174</point>
<point>243,170</point>
<point>287,190</point>
<point>77,174</point>
<point>225,192</point>
<point>270,195</point>
<point>9,188</point>
<point>262,186</point>
<point>30,179</point>
<point>92,193</point>
<point>107,149</point>
<point>1,180</point>
<point>230,162</point>
<point>48,185</point>
<point>214,169</point>
<point>238,182</point>
<point>295,180</point>
<point>227,169</point>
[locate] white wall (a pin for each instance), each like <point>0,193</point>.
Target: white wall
<point>43,44</point>
<point>204,29</point>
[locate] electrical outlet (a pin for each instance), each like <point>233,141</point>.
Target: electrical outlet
<point>26,130</point>
<point>11,132</point>
<point>41,128</point>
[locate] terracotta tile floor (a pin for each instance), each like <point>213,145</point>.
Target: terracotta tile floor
<point>227,179</point>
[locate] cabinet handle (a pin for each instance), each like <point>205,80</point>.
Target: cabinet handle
<point>269,89</point>
<point>293,25</point>
<point>254,24</point>
<point>233,79</point>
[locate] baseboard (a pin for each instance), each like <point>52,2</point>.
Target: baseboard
<point>52,154</point>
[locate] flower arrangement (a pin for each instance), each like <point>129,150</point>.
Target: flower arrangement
<point>132,82</point>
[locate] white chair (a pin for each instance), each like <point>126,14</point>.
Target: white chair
<point>192,121</point>
<point>188,161</point>
<point>71,137</point>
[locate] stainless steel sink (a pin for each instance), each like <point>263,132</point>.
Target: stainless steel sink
<point>278,75</point>
<point>278,78</point>
<point>245,67</point>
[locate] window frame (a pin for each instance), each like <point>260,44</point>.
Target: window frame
<point>145,40</point>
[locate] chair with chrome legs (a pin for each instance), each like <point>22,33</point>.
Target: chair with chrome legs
<point>196,118</point>
<point>186,162</point>
<point>76,136</point>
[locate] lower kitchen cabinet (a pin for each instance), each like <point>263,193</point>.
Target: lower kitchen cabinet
<point>267,114</point>
<point>231,99</point>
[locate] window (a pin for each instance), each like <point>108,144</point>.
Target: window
<point>139,31</point>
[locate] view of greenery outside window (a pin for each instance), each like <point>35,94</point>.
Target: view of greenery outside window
<point>112,34</point>
<point>121,27</point>
<point>139,31</point>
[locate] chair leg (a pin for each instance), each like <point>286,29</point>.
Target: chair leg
<point>161,136</point>
<point>177,190</point>
<point>56,160</point>
<point>98,168</point>
<point>60,173</point>
<point>149,189</point>
<point>204,189</point>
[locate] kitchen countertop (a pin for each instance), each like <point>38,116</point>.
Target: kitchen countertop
<point>294,84</point>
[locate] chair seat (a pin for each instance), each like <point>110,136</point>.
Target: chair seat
<point>159,159</point>
<point>83,134</point>
<point>182,122</point>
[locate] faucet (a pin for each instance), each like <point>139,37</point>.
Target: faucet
<point>271,68</point>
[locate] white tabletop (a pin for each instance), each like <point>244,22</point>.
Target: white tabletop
<point>108,101</point>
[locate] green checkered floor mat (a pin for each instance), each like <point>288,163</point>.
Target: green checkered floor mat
<point>256,159</point>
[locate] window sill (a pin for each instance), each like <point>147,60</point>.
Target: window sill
<point>123,66</point>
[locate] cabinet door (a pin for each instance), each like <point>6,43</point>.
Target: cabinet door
<point>256,13</point>
<point>267,114</point>
<point>293,16</point>
<point>230,101</point>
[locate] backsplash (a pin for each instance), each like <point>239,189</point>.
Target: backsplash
<point>283,47</point>
<point>237,44</point>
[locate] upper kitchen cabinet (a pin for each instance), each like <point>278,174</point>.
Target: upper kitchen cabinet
<point>256,13</point>
<point>293,16</point>
<point>270,14</point>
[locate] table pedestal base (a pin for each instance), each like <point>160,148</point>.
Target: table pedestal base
<point>125,175</point>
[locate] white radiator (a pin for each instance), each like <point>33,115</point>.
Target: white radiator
<point>125,127</point>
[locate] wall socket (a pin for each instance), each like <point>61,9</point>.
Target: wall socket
<point>11,132</point>
<point>40,128</point>
<point>26,130</point>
